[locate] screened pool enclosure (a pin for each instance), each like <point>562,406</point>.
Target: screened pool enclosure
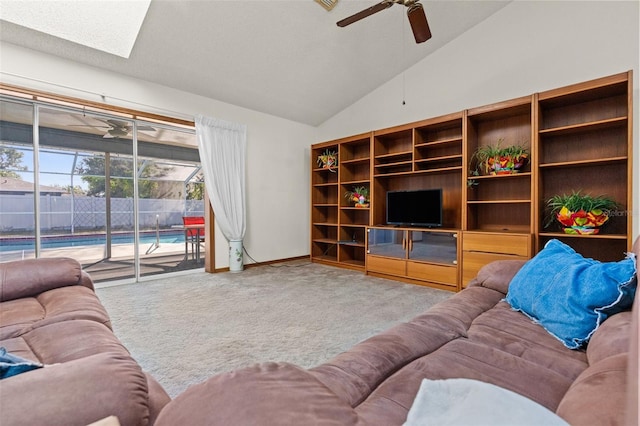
<point>110,190</point>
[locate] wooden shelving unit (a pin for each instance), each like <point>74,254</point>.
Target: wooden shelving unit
<point>324,208</point>
<point>579,139</point>
<point>584,144</point>
<point>338,228</point>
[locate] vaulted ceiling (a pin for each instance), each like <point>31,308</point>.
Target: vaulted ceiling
<point>286,58</point>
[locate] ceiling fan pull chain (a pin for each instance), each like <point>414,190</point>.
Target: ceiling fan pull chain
<point>404,73</point>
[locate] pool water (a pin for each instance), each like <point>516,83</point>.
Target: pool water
<point>59,241</point>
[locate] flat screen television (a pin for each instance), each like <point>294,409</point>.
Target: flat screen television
<point>422,208</point>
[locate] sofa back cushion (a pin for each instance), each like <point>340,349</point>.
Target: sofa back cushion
<point>28,278</point>
<point>611,338</point>
<point>599,395</point>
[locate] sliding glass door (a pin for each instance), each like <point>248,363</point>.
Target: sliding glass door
<point>17,213</point>
<point>169,188</point>
<point>106,190</point>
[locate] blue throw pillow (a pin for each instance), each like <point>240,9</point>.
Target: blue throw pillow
<point>569,295</point>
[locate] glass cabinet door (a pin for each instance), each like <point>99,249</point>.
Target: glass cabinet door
<point>433,247</point>
<point>387,242</point>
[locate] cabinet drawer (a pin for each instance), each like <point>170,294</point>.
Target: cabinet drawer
<point>385,265</point>
<point>473,261</point>
<point>435,273</point>
<point>515,244</point>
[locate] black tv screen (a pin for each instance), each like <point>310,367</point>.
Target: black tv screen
<point>415,208</point>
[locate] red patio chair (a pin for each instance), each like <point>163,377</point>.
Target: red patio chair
<point>194,236</point>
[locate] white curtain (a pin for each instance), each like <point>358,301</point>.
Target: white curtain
<point>222,146</point>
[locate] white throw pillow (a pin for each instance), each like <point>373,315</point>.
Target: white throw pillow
<point>466,402</point>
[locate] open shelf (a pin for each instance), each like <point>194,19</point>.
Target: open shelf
<point>585,163</point>
<point>500,201</point>
<point>450,141</point>
<point>364,160</point>
<point>586,127</point>
<point>325,240</point>
<point>438,170</point>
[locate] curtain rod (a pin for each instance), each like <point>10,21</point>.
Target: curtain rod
<point>104,97</point>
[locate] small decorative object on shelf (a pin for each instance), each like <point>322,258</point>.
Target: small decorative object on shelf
<point>359,195</point>
<point>328,159</point>
<point>580,214</point>
<point>498,160</point>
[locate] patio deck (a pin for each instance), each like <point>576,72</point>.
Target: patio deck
<point>168,257</point>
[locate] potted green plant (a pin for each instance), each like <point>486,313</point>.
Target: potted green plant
<point>498,160</point>
<point>328,159</point>
<point>580,214</point>
<point>359,196</point>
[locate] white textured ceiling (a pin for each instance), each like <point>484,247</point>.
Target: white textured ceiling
<point>286,58</point>
<point>111,26</point>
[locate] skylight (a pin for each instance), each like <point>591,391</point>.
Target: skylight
<point>111,26</point>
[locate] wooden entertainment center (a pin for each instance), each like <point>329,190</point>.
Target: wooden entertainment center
<point>579,138</point>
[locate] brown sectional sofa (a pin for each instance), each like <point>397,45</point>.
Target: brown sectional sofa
<point>50,314</point>
<point>474,335</point>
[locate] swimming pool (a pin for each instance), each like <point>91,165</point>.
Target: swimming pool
<point>59,241</point>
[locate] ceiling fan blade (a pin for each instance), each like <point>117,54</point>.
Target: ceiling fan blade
<point>364,13</point>
<point>419,24</point>
<point>147,128</point>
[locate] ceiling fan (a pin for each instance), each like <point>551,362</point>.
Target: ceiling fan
<point>117,128</point>
<point>415,13</point>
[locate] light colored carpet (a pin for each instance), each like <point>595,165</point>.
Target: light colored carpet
<point>185,329</point>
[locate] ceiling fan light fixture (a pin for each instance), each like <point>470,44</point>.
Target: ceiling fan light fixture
<point>117,132</point>
<point>327,4</point>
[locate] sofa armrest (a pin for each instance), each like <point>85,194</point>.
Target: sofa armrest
<point>31,277</point>
<point>77,392</point>
<point>497,275</point>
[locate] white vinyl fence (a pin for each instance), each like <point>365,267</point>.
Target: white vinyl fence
<point>78,214</point>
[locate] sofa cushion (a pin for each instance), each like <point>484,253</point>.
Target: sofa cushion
<point>598,395</point>
<point>65,341</point>
<point>60,304</point>
<point>354,374</point>
<point>17,315</point>
<point>28,278</point>
<point>501,346</point>
<point>611,338</point>
<point>514,333</point>
<point>497,275</point>
<point>570,295</point>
